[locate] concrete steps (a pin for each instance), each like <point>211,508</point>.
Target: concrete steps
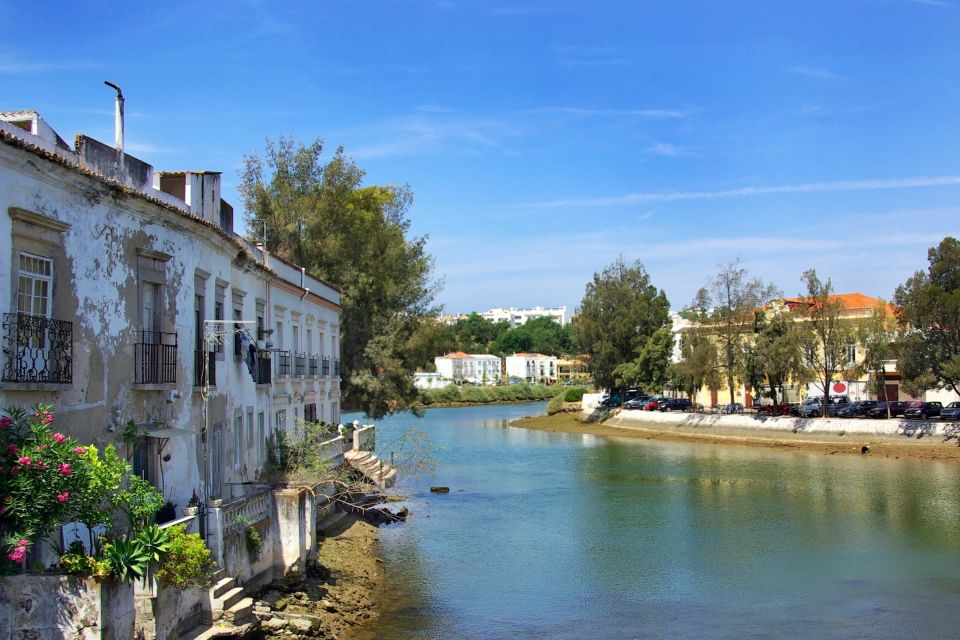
<point>231,612</point>
<point>375,470</point>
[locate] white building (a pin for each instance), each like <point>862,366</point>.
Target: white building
<point>532,367</point>
<point>517,317</point>
<point>430,380</point>
<point>473,368</point>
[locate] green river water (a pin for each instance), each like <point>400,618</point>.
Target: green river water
<point>558,536</point>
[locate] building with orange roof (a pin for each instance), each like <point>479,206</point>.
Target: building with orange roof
<point>532,367</point>
<point>470,368</point>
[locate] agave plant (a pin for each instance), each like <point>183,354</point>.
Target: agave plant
<point>155,541</point>
<point>128,559</point>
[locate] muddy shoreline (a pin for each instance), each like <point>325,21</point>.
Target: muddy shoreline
<point>878,446</point>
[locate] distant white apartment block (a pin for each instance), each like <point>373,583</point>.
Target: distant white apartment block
<point>474,368</point>
<point>517,317</point>
<point>532,367</point>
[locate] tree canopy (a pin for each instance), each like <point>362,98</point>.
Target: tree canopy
<point>825,333</point>
<point>616,324</point>
<point>929,316</point>
<point>320,216</point>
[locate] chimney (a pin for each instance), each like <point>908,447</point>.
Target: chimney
<point>118,125</point>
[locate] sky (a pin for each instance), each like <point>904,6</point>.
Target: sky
<point>544,139</point>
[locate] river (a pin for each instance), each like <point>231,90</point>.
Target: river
<point>559,536</point>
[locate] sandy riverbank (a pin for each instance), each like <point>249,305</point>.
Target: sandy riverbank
<point>885,446</point>
<point>337,601</point>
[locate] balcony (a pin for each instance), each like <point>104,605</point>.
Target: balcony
<point>155,358</point>
<point>300,364</point>
<point>282,364</point>
<point>313,365</point>
<point>263,370</point>
<point>326,366</point>
<point>37,349</point>
<point>203,377</point>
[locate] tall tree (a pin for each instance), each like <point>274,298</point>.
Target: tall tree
<point>826,333</point>
<point>697,367</point>
<point>620,312</point>
<point>929,315</point>
<point>776,355</point>
<point>877,336</point>
<point>320,216</point>
<point>726,308</point>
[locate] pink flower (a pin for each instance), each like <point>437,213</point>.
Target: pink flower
<point>5,422</point>
<point>47,417</point>
<point>24,543</point>
<point>80,451</point>
<point>41,465</point>
<point>3,510</point>
<point>63,497</point>
<point>18,554</point>
<point>12,449</point>
<point>65,469</point>
<point>24,460</point>
<point>58,438</point>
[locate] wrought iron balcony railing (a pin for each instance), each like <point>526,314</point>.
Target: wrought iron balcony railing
<point>202,376</point>
<point>313,365</point>
<point>155,358</point>
<point>282,364</point>
<point>326,366</point>
<point>299,364</point>
<point>37,349</point>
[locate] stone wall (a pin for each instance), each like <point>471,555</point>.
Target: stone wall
<point>47,607</point>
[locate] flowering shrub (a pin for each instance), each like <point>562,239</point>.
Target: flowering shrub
<point>42,473</point>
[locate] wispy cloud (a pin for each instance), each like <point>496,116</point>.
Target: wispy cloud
<point>432,133</point>
<point>590,56</point>
<point>134,146</point>
<point>931,3</point>
<point>14,65</point>
<point>814,72</point>
<point>809,187</point>
<point>606,113</point>
<point>665,149</point>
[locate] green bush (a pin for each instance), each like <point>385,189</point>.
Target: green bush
<point>555,405</point>
<point>574,394</point>
<point>187,563</point>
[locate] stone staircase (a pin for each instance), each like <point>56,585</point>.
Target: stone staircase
<point>373,468</point>
<point>232,612</point>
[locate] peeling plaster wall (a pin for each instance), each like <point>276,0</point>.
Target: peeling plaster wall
<point>96,286</point>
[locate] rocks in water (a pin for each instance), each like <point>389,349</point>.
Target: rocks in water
<point>440,489</point>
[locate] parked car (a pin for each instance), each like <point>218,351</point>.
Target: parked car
<point>951,411</point>
<point>880,411</point>
<point>856,409</point>
<point>675,404</point>
<point>636,402</point>
<point>813,407</point>
<point>923,411</point>
<point>613,399</point>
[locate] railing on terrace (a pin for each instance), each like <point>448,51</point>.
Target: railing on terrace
<point>313,365</point>
<point>331,451</point>
<point>326,366</point>
<point>300,364</point>
<point>37,349</point>
<point>238,514</point>
<point>202,376</point>
<point>282,364</point>
<point>155,358</point>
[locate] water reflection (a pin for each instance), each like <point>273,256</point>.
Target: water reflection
<point>563,536</point>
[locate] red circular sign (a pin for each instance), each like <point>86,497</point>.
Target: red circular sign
<point>839,387</point>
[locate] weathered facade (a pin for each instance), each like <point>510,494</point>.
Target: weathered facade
<point>128,302</point>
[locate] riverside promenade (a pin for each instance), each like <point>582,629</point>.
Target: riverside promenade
<point>831,426</point>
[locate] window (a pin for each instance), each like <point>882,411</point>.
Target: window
<point>218,316</point>
<point>250,440</point>
<point>35,285</point>
<point>851,354</point>
<point>280,420</point>
<point>261,435</point>
<point>237,440</point>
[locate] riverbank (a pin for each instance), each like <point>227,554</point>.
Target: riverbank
<point>884,446</point>
<point>335,599</point>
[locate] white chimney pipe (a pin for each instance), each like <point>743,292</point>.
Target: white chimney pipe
<point>118,126</point>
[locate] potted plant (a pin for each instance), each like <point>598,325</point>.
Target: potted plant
<point>193,506</point>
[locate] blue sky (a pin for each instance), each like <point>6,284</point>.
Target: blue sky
<point>543,139</point>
